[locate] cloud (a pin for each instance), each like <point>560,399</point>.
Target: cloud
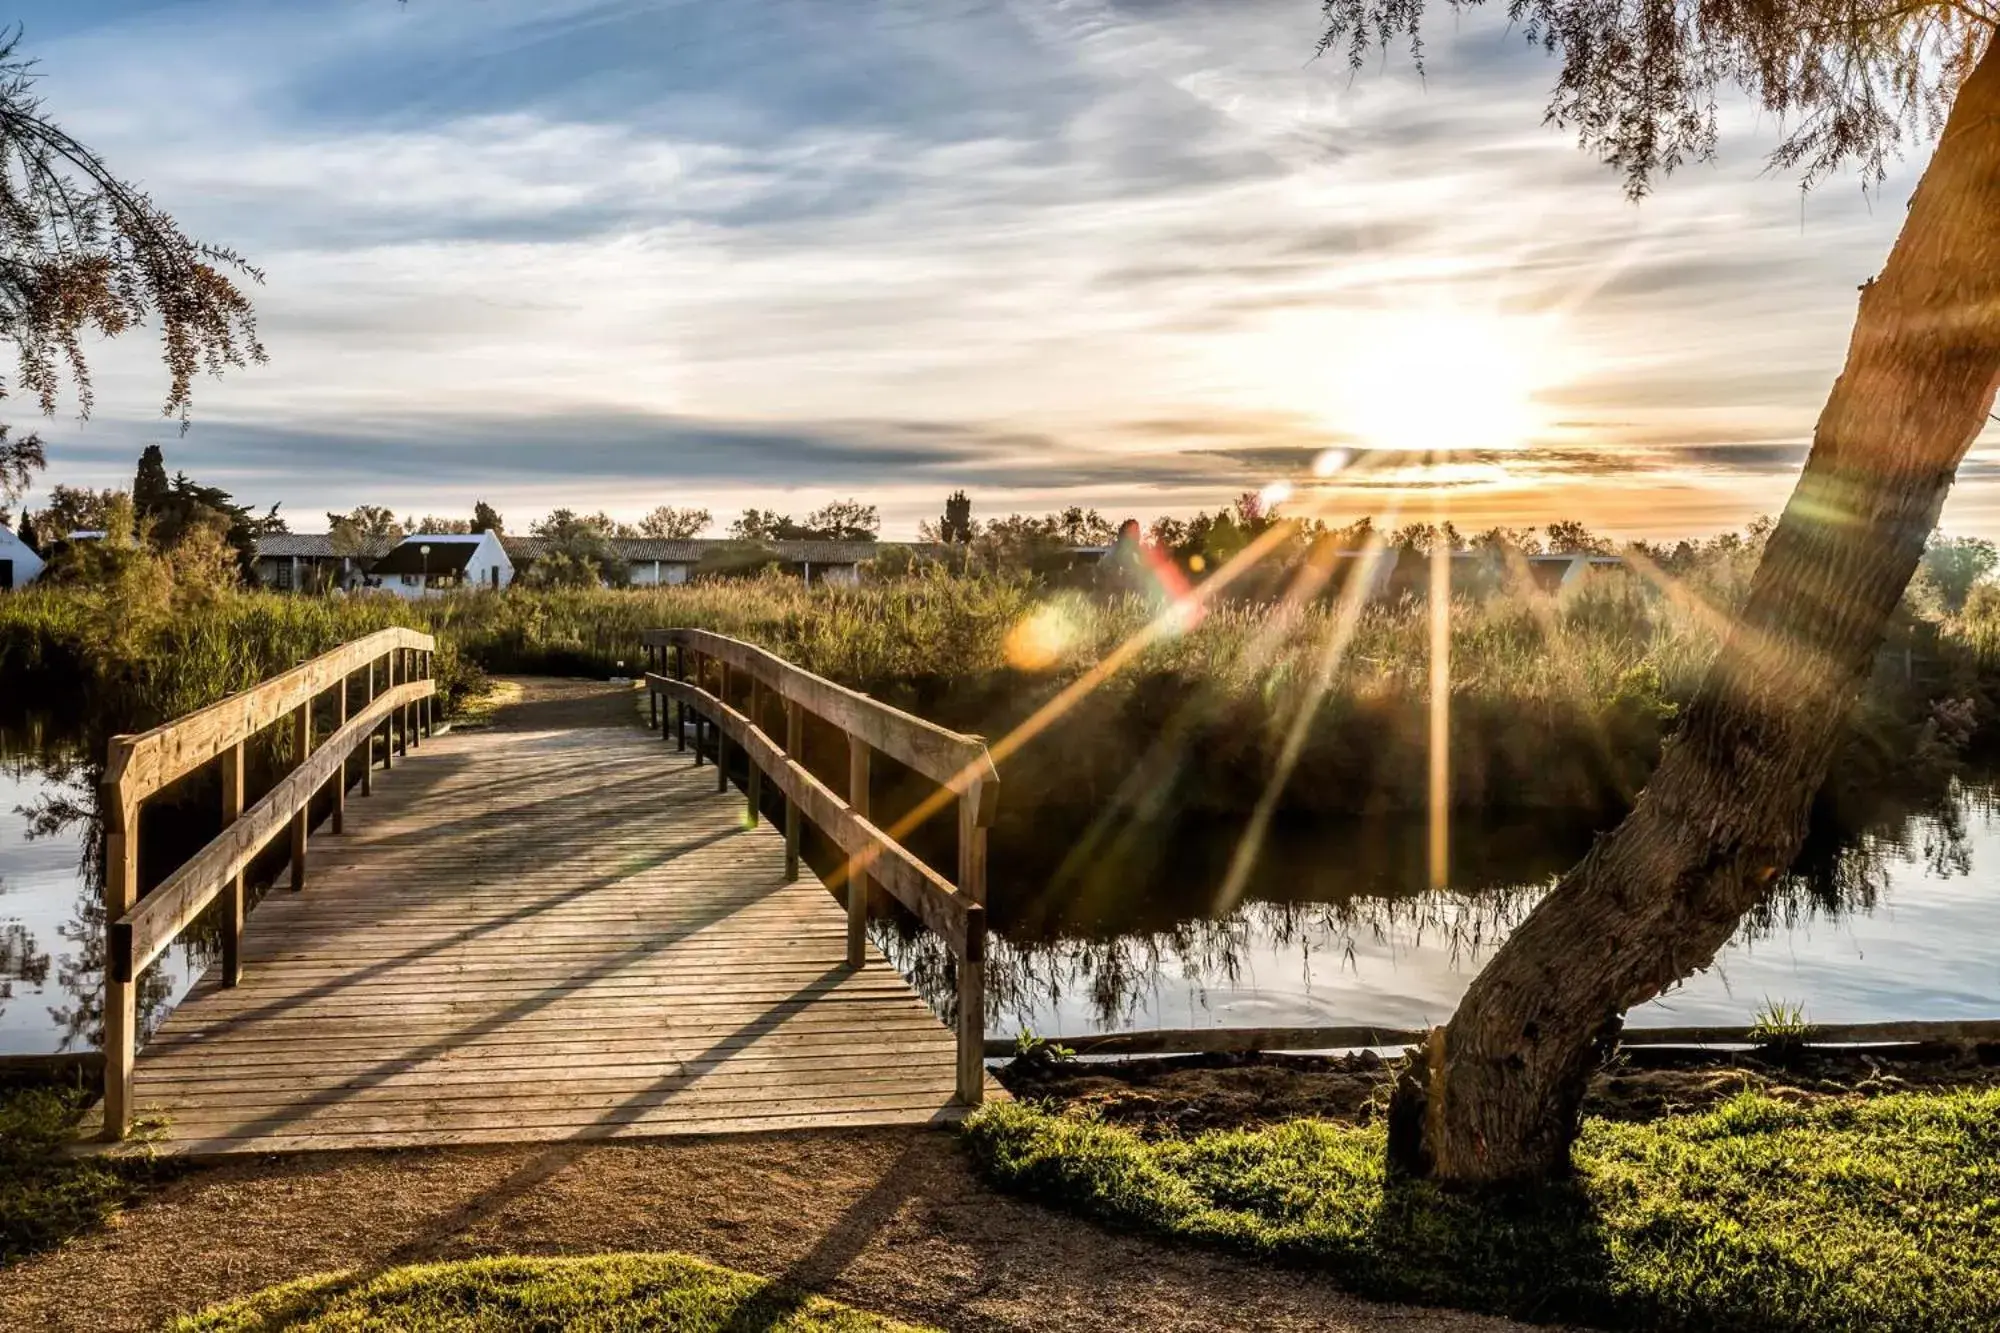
<point>1047,250</point>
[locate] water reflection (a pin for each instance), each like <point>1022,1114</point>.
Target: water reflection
<point>1116,931</point>
<point>1886,922</point>
<point>52,898</point>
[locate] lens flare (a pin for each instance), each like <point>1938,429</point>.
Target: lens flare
<point>1040,639</point>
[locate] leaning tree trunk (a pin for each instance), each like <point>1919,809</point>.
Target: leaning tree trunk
<point>1495,1096</point>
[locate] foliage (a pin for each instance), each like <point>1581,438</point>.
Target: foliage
<point>47,1193</point>
<point>1780,1028</point>
<point>74,509</point>
<point>1640,83</point>
<point>1761,1214</point>
<point>576,551</point>
<point>485,518</point>
<point>436,526</point>
<point>842,520</point>
<point>956,527</point>
<point>674,524</point>
<point>364,530</point>
<point>1952,566</point>
<point>150,486</point>
<point>20,460</point>
<point>87,253</point>
<point>606,1293</point>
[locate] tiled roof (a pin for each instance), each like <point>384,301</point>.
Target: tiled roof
<point>689,551</point>
<point>310,545</point>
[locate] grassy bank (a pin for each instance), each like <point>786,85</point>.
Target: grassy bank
<point>1856,1214</point>
<point>607,1294</point>
<point>1558,703</point>
<point>48,1195</point>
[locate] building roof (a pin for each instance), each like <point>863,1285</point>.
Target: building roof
<point>314,546</point>
<point>688,551</point>
<point>447,555</point>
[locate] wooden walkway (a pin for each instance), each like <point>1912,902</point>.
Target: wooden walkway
<point>551,928</point>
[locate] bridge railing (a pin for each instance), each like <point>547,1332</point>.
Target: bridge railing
<point>397,710</point>
<point>732,687</point>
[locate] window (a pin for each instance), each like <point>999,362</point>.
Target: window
<point>281,578</point>
<point>410,580</point>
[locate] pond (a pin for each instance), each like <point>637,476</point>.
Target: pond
<point>1127,928</point>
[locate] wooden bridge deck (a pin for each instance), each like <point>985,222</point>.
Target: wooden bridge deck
<point>552,928</point>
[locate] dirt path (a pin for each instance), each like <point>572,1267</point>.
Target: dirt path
<point>892,1221</point>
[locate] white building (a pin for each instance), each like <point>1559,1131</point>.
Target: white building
<point>426,564</point>
<point>19,565</point>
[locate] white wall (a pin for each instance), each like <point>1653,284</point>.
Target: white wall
<point>655,573</point>
<point>27,566</point>
<point>489,568</point>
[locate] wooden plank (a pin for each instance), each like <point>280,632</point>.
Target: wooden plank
<point>142,764</point>
<point>142,932</point>
<point>946,757</point>
<point>549,937</point>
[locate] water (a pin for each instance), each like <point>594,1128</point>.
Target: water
<point>1125,928</point>
<point>51,914</point>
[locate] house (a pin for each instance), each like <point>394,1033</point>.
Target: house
<point>19,565</point>
<point>652,562</point>
<point>427,563</point>
<point>307,562</point>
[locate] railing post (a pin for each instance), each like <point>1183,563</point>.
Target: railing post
<point>795,732</point>
<point>972,967</point>
<point>680,711</point>
<point>340,774</point>
<point>753,781</point>
<point>858,755</point>
<point>121,1014</point>
<point>368,741</point>
<point>402,710</point>
<point>696,680</point>
<point>721,739</point>
<point>972,1009</point>
<point>413,731</point>
<point>302,742</point>
<point>971,845</point>
<point>233,903</point>
<point>389,720</point>
<point>653,695</point>
<point>427,706</point>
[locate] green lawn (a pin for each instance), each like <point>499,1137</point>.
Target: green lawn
<point>1761,1214</point>
<point>606,1294</point>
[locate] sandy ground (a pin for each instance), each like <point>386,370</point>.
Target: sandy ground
<point>892,1221</point>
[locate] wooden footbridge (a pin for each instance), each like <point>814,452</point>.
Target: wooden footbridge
<point>560,926</point>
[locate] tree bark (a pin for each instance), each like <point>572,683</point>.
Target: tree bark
<point>1495,1095</point>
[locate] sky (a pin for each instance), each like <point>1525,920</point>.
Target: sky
<point>1138,255</point>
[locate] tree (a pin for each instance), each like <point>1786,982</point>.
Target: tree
<point>190,507</point>
<point>20,460</point>
<point>431,523</point>
<point>1569,537</point>
<point>955,528</point>
<point>363,530</point>
<point>83,254</point>
<point>485,518</point>
<point>577,550</point>
<point>1953,565</point>
<point>767,525</point>
<point>674,524</point>
<point>149,484</point>
<point>75,509</point>
<point>26,532</point>
<point>843,521</point>
<point>1496,1093</point>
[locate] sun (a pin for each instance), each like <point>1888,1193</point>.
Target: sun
<point>1442,381</point>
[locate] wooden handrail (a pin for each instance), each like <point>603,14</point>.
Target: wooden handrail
<point>144,933</point>
<point>142,764</point>
<point>959,763</point>
<point>136,767</point>
<point>948,758</point>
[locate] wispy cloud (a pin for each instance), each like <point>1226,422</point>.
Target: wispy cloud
<point>1106,252</point>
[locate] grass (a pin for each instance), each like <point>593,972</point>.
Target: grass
<point>605,1294</point>
<point>47,1195</point>
<point>1876,1214</point>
